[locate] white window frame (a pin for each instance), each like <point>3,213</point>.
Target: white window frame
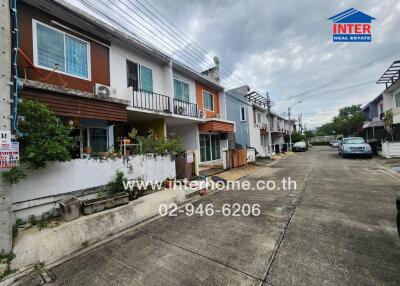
<point>212,98</point>
<point>185,82</point>
<point>395,101</point>
<point>244,113</point>
<point>209,144</point>
<point>258,114</point>
<point>35,53</point>
<point>139,72</point>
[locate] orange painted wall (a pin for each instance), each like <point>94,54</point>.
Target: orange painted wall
<point>199,99</point>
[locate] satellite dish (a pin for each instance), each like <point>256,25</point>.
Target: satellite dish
<point>216,61</point>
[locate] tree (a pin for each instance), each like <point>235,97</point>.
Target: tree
<point>348,122</point>
<point>297,136</point>
<point>309,134</point>
<point>44,139</point>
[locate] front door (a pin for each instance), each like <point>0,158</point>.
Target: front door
<point>210,149</point>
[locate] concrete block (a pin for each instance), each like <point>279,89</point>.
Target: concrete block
<point>50,244</point>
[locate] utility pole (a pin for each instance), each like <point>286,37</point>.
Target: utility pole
<point>300,123</point>
<point>290,124</point>
<point>269,104</point>
<point>6,220</point>
<point>290,130</point>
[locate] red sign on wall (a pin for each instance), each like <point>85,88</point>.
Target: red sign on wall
<point>9,155</point>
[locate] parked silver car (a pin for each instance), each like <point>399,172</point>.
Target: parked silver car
<point>335,143</point>
<point>354,146</point>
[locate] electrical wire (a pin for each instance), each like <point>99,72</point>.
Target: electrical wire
<point>161,41</point>
<point>196,47</point>
<point>349,74</point>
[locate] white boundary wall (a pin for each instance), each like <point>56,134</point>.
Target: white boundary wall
<point>390,150</point>
<point>41,190</point>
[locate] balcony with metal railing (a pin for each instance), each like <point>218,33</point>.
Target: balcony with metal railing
<point>185,108</point>
<point>152,101</point>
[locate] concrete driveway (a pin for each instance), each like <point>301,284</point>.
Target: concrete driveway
<point>337,228</point>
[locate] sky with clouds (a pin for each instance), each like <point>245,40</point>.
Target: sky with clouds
<point>285,47</point>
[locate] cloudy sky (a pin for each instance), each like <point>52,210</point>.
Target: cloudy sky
<point>284,47</point>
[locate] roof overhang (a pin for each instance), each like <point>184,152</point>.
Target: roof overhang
<point>186,71</point>
<point>377,123</point>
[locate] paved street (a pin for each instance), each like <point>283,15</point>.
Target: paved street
<point>337,228</point>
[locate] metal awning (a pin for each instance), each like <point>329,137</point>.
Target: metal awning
<point>391,74</point>
<point>376,123</point>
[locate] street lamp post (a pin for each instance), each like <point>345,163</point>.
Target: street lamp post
<point>290,124</point>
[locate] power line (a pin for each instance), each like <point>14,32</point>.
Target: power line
<point>349,74</point>
<point>338,90</point>
<point>155,38</point>
<point>176,36</point>
<point>188,39</point>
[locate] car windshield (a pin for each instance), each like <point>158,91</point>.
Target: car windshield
<point>353,141</point>
<point>300,144</point>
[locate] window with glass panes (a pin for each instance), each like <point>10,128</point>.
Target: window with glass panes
<point>397,99</point>
<point>55,49</point>
<point>146,79</point>
<point>208,100</point>
<point>259,117</point>
<point>181,90</point>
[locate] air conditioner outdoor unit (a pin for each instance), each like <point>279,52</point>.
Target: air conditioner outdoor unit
<point>201,114</point>
<point>104,90</point>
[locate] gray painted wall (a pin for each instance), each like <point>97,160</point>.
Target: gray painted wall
<point>234,99</point>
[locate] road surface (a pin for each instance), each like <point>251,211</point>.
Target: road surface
<point>337,228</point>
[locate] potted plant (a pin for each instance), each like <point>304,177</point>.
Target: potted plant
<point>169,183</point>
<point>87,150</point>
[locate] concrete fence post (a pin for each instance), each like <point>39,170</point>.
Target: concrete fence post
<point>6,220</point>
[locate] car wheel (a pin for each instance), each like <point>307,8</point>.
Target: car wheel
<point>343,156</point>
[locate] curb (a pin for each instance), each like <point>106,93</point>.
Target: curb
<point>68,256</point>
<point>387,170</point>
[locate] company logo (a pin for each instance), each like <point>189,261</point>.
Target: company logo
<point>352,26</point>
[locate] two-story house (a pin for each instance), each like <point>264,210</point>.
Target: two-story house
<point>249,112</point>
<point>250,117</point>
<point>64,63</point>
<point>373,127</point>
<point>216,129</point>
<point>200,97</point>
<point>391,97</point>
<point>104,82</point>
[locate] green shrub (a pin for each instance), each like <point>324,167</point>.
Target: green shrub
<point>155,145</point>
<point>45,139</point>
<point>14,175</point>
<point>118,184</point>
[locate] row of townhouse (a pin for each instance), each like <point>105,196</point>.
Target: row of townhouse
<point>104,82</point>
<point>253,120</point>
<point>382,114</point>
